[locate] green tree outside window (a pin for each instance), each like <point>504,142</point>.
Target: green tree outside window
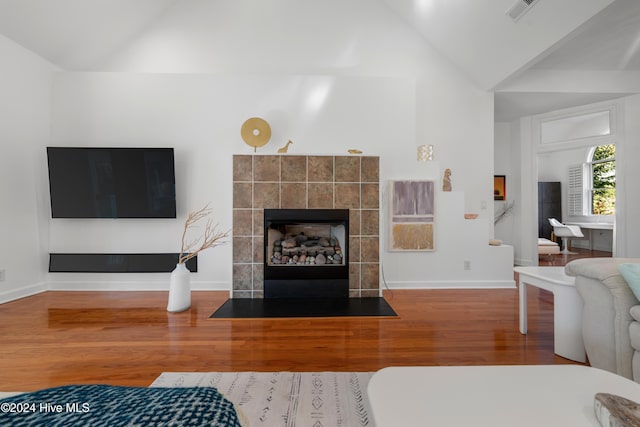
<point>603,173</point>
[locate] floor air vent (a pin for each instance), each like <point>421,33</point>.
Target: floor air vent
<point>520,8</point>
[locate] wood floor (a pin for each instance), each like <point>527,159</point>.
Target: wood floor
<point>559,259</point>
<point>128,338</point>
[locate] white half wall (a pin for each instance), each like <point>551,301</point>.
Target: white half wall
<point>462,259</point>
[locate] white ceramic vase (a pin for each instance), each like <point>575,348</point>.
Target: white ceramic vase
<point>179,289</point>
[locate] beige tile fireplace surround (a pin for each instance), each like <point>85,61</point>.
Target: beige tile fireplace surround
<point>305,182</point>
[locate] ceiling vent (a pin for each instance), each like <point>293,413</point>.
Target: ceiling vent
<point>520,8</point>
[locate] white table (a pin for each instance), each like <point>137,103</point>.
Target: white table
<point>567,308</point>
<point>590,227</point>
<point>496,396</point>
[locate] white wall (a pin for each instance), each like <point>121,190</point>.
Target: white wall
<point>25,85</point>
<point>357,78</point>
<point>503,165</point>
<point>525,188</point>
<point>200,116</point>
<point>335,38</point>
<point>627,219</point>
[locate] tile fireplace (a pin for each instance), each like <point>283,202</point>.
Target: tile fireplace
<point>349,184</point>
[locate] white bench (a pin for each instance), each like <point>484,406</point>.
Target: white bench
<point>567,308</point>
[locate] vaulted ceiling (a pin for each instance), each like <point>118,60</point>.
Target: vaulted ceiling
<point>525,62</point>
<point>76,34</point>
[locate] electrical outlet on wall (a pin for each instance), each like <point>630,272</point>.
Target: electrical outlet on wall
<point>467,264</point>
<point>2,275</point>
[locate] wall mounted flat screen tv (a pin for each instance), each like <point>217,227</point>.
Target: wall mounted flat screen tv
<point>88,182</point>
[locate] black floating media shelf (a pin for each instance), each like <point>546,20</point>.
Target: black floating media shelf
<point>117,263</point>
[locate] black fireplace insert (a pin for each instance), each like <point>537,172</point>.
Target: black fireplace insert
<point>306,253</point>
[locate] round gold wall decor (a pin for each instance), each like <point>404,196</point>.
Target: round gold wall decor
<point>256,132</point>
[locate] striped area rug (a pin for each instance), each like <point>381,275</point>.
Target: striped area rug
<point>287,399</point>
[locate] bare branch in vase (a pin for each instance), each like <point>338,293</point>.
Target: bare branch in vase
<point>210,238</point>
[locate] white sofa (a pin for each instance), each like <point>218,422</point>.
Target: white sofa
<point>611,316</point>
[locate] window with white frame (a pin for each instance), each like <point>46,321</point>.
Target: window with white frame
<point>592,185</point>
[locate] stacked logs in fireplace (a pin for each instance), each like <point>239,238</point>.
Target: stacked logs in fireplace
<point>306,253</point>
<point>306,250</point>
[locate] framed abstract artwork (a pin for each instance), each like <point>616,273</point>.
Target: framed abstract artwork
<point>412,215</point>
<point>499,187</point>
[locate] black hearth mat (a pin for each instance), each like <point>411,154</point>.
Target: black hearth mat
<point>303,307</point>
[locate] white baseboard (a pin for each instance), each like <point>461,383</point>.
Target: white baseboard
<point>524,262</point>
<point>454,284</point>
<point>133,286</point>
<point>8,296</point>
<point>12,295</point>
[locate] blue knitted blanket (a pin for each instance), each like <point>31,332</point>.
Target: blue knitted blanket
<point>103,405</point>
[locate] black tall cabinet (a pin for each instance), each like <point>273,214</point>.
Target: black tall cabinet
<point>549,206</point>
